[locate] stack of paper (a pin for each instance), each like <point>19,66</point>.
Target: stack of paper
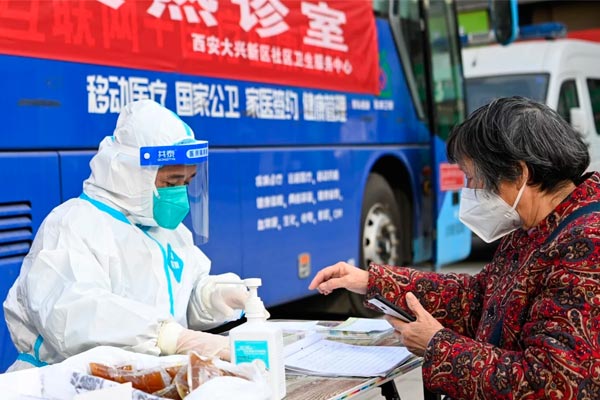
<point>360,328</point>
<point>314,355</point>
<point>352,328</point>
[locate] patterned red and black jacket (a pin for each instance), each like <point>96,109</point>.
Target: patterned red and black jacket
<point>528,325</point>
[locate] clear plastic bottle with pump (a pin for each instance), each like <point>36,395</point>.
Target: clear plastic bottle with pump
<point>257,339</point>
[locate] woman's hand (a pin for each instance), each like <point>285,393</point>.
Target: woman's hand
<point>416,335</point>
<point>340,275</point>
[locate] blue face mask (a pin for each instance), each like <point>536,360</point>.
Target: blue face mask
<point>171,206</point>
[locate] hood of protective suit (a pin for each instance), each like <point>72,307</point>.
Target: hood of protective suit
<point>117,178</point>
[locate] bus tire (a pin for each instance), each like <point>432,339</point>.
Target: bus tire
<point>384,231</point>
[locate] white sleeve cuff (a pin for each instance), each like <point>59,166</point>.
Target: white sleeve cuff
<point>167,337</point>
<point>208,288</point>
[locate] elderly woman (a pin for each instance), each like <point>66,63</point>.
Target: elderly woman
<point>528,325</point>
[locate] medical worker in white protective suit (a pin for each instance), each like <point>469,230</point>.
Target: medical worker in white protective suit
<point>117,266</point>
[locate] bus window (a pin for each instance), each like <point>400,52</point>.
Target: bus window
<point>448,97</point>
<point>412,34</point>
<point>447,109</point>
<point>406,24</point>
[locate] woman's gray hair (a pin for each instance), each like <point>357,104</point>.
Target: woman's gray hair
<point>497,137</point>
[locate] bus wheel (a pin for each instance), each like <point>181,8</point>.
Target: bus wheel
<point>383,233</point>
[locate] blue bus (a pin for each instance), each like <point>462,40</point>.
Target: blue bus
<point>300,176</point>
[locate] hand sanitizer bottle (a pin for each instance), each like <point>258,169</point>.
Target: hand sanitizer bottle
<point>257,339</point>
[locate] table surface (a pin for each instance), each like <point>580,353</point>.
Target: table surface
<point>302,387</point>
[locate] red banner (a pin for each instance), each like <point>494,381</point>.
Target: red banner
<point>311,43</point>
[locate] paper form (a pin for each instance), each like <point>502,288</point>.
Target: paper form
<point>317,356</point>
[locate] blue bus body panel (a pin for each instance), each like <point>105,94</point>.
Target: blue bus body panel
<point>301,212</point>
<point>53,108</point>
<point>224,247</point>
<point>74,169</point>
<point>275,237</point>
<point>30,191</point>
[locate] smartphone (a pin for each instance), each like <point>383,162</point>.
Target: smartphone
<point>389,308</point>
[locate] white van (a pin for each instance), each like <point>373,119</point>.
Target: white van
<point>563,73</point>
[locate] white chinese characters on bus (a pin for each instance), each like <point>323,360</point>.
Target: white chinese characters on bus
<point>272,201</point>
<point>192,9</point>
<point>298,196</point>
<point>268,13</point>
<point>268,223</point>
<point>214,100</point>
<point>110,94</point>
<point>324,107</point>
<point>324,28</point>
<point>267,103</point>
<point>268,180</point>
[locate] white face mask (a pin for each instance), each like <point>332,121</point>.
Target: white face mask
<point>487,215</point>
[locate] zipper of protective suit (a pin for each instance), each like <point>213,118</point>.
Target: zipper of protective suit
<point>121,217</point>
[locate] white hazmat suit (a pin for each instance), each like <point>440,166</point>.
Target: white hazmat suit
<point>102,272</point>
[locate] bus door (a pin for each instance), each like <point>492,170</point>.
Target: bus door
<point>429,30</point>
<point>447,106</point>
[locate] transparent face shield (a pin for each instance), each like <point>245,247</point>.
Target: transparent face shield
<point>181,193</point>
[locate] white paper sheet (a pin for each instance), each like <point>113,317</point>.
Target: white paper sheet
<point>364,325</point>
<point>317,356</point>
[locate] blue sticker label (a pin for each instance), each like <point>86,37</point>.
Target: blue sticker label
<point>169,155</point>
<point>249,350</point>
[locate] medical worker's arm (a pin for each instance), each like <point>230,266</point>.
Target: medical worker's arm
<point>74,309</point>
<point>69,293</point>
<point>175,339</point>
<point>72,306</point>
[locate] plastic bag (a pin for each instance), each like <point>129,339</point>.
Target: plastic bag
<point>250,383</point>
<point>64,380</point>
<point>230,387</point>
